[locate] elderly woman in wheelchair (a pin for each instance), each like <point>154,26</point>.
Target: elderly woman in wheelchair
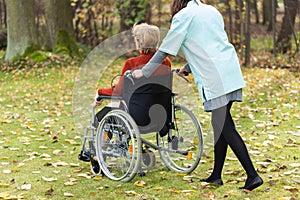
<point>113,142</point>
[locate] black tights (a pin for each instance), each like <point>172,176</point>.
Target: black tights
<point>225,134</point>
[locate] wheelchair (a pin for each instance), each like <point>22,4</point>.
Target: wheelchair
<point>113,143</point>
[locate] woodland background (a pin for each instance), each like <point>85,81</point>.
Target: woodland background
<point>64,25</point>
<point>43,44</point>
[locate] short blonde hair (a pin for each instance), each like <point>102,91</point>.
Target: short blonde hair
<point>146,37</point>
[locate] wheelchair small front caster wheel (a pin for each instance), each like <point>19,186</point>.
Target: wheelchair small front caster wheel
<point>95,167</point>
<point>141,174</point>
<point>148,159</point>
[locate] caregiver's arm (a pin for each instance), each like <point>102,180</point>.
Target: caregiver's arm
<point>151,66</point>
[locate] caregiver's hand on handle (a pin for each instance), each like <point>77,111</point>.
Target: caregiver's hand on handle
<point>182,72</point>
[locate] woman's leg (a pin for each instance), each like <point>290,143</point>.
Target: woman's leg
<point>225,133</point>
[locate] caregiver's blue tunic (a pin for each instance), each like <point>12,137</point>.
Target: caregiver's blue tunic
<point>199,30</point>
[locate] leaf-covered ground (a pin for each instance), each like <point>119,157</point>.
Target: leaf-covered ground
<point>39,143</point>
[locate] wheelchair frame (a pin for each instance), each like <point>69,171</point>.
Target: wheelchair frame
<point>121,144</point>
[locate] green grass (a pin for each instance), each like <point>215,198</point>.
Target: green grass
<point>38,137</point>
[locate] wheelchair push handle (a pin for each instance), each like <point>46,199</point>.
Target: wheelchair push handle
<point>128,75</point>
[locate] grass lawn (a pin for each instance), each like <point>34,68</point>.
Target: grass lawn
<point>39,143</point>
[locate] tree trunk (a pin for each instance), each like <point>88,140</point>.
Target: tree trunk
<point>256,11</point>
<point>291,7</point>
<point>267,11</point>
<point>230,23</point>
<point>247,34</point>
<point>59,17</point>
<point>21,29</point>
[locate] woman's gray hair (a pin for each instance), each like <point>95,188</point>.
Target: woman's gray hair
<point>146,37</point>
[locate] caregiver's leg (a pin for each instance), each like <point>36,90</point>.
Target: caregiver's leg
<point>225,133</point>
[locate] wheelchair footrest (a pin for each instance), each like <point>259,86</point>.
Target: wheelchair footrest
<point>82,156</point>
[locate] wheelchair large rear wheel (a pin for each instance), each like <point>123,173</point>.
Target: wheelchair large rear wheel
<point>118,146</point>
<point>182,149</point>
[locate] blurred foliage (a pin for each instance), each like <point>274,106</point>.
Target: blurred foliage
<point>96,20</point>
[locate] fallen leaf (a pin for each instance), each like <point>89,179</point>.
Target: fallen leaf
<point>293,190</point>
<point>4,185</point>
<point>58,152</point>
<point>140,183</point>
<point>174,190</point>
<point>157,188</point>
<point>49,179</point>
<point>67,194</point>
<point>130,193</point>
<point>6,171</point>
<point>26,186</point>
<point>84,175</point>
<point>188,191</point>
<point>49,192</point>
<point>4,195</point>
<point>60,164</point>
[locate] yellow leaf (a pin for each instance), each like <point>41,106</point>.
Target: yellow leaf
<point>4,185</point>
<point>173,190</point>
<point>130,193</point>
<point>180,174</point>
<point>158,188</point>
<point>139,183</point>
<point>97,178</point>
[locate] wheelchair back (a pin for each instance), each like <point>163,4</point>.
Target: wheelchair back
<point>149,102</point>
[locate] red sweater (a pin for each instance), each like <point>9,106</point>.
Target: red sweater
<point>132,64</point>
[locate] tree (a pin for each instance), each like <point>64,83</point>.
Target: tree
<point>291,7</point>
<point>268,13</point>
<point>21,29</point>
<point>59,16</point>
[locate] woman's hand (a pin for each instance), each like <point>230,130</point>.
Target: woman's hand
<point>137,74</point>
<point>96,102</point>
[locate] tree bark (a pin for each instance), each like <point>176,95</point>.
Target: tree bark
<point>291,7</point>
<point>59,17</point>
<point>21,29</point>
<point>247,34</point>
<point>267,11</point>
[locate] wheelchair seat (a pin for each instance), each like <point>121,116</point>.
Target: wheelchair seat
<point>149,102</point>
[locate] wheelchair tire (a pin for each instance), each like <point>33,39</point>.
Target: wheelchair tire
<point>118,146</point>
<point>187,138</point>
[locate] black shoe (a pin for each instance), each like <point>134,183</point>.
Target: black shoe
<point>256,182</point>
<point>216,181</point>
